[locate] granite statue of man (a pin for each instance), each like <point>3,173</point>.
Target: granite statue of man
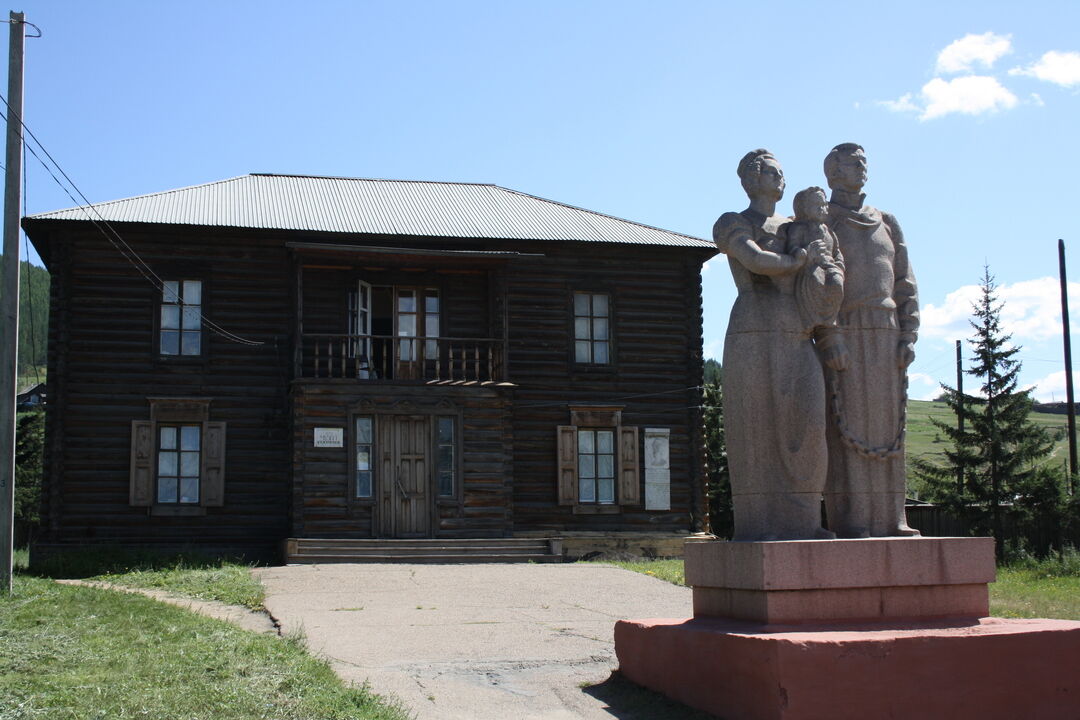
<point>774,390</point>
<point>878,323</point>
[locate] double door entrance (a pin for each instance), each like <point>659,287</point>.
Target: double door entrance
<point>415,465</point>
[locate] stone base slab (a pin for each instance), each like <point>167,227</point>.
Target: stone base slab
<point>834,580</point>
<point>990,668</point>
<point>844,604</point>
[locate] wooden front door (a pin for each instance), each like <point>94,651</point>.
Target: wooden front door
<point>406,477</point>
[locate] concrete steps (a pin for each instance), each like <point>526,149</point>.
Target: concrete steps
<point>431,550</point>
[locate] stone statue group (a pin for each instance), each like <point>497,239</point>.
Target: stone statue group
<point>816,356</point>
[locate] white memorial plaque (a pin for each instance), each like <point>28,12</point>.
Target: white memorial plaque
<point>330,437</point>
<point>657,469</point>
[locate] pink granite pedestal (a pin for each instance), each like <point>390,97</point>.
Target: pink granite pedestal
<point>875,628</point>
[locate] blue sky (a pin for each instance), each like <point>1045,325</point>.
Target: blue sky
<point>968,112</point>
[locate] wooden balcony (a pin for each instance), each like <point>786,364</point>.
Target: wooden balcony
<point>376,358</point>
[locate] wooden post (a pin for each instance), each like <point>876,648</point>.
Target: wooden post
<point>1068,365</point>
<point>959,411</point>
<point>9,302</point>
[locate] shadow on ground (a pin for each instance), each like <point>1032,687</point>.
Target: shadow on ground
<point>628,701</point>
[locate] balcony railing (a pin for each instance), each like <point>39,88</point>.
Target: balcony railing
<point>390,357</point>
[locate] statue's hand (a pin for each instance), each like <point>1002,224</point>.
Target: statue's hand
<point>816,251</point>
<point>799,258</point>
<point>836,357</point>
<point>905,354</point>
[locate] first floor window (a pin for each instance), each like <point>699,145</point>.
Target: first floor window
<point>364,443</point>
<point>598,460</point>
<point>596,465</point>
<point>179,460</point>
<point>181,318</point>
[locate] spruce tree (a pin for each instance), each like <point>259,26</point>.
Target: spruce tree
<point>994,462</point>
<point>718,482</point>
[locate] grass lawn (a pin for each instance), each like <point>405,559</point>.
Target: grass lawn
<point>1050,589</point>
<point>199,576</point>
<point>76,653</point>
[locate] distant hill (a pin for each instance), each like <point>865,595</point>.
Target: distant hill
<point>927,442</point>
<point>33,315</point>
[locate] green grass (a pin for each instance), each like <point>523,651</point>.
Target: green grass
<point>927,442</point>
<point>230,583</point>
<point>191,574</point>
<point>1048,588</point>
<point>669,569</point>
<point>77,653</point>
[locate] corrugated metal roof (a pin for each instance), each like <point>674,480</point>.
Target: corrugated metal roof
<point>384,207</point>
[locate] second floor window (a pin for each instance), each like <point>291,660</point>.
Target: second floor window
<point>592,332</point>
<point>181,318</point>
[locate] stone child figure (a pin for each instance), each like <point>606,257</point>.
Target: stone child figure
<point>774,391</point>
<point>878,322</point>
<point>819,286</point>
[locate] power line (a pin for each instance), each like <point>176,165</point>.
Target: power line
<point>109,232</point>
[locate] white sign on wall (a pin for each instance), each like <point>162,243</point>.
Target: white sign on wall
<point>657,469</point>
<point>330,437</point>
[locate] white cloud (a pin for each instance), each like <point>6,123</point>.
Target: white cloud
<point>963,54</point>
<point>1060,68</point>
<point>903,104</point>
<point>714,349</point>
<point>1031,311</point>
<point>1037,100</point>
<point>1052,387</point>
<point>922,386</point>
<point>968,95</point>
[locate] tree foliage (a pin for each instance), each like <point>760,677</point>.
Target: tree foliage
<point>29,454</point>
<point>718,482</point>
<point>993,467</point>
<point>33,315</point>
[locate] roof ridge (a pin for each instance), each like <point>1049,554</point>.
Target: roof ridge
<point>599,214</point>
<point>366,179</point>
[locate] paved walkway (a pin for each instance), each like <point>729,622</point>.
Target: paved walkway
<point>477,642</point>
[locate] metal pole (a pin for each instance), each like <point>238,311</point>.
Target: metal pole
<point>9,302</point>
<point>1068,364</point>
<point>959,412</point>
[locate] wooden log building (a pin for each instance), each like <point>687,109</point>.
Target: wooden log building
<point>271,358</point>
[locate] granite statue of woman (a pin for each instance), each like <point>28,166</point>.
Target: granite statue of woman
<point>774,390</point>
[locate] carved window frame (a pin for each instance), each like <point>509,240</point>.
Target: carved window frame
<point>628,459</point>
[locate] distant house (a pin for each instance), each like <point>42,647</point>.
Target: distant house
<point>31,398</point>
<point>343,359</point>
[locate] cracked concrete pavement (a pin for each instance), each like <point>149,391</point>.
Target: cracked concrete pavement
<point>475,642</point>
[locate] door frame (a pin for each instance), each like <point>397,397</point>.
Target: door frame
<point>383,415</point>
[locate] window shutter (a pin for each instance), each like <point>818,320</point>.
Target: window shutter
<point>567,465</point>
<point>141,490</point>
<point>629,487</point>
<point>212,489</point>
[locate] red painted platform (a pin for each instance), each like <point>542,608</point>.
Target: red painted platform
<point>985,668</point>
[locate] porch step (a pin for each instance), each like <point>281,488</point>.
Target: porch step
<point>479,550</point>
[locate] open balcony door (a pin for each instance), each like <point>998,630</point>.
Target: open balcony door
<point>361,346</point>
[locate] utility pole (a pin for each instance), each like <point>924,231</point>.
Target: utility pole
<point>9,302</point>
<point>959,413</point>
<point>1068,366</point>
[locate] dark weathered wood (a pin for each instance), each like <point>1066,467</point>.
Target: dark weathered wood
<point>103,365</point>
